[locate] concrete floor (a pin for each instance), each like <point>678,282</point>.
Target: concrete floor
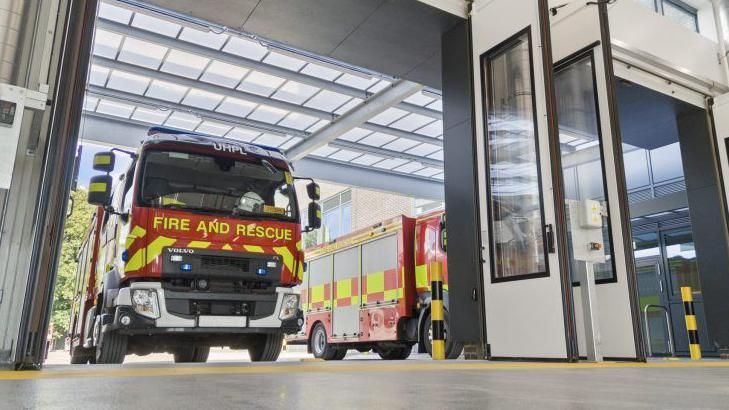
<point>371,384</point>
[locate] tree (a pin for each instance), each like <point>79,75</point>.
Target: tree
<point>74,234</point>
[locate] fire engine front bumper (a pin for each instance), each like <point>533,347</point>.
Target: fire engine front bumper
<point>142,309</point>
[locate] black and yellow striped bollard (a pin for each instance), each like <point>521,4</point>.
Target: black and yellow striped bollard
<point>691,326</point>
<point>437,316</point>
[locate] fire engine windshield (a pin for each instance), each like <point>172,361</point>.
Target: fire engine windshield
<point>219,185</point>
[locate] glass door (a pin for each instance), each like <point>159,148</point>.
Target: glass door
<point>526,313</point>
<point>654,306</point>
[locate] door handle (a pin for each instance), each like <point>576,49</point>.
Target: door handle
<point>549,233</point>
<point>660,285</point>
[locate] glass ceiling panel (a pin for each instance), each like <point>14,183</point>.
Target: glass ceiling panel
<point>419,99</point>
<point>357,81</point>
<point>400,144</point>
<point>132,83</point>
<point>183,121</point>
<point>114,108</point>
<point>367,159</point>
<point>389,116</point>
<point>423,149</point>
<point>156,25</point>
<point>319,125</point>
<point>440,176</point>
<point>437,155</point>
<point>345,155</point>
<point>436,105</point>
<point>243,134</point>
<point>166,91</point>
<point>390,163</point>
<point>185,64</point>
<point>321,71</point>
<point>271,140</point>
<point>213,128</point>
<point>245,48</point>
<point>355,135</point>
<point>428,172</point>
<point>409,167</point>
<point>348,106</point>
<point>297,121</point>
<point>379,86</point>
<point>267,114</point>
<point>142,53</point>
<point>111,12</point>
<point>224,74</point>
<point>324,151</point>
<point>260,83</point>
<point>204,38</point>
<point>90,103</point>
<point>377,139</point>
<point>327,101</point>
<point>411,122</point>
<point>151,116</point>
<point>290,143</point>
<point>106,44</point>
<point>202,99</point>
<point>295,92</point>
<point>235,106</point>
<point>433,129</point>
<point>98,75</point>
<point>284,61</point>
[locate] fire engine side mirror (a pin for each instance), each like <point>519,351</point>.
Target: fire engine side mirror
<point>104,161</point>
<point>100,190</point>
<point>314,191</point>
<point>314,217</point>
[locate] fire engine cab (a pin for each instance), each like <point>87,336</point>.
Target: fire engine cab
<point>197,244</point>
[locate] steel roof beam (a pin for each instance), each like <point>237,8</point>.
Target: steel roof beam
<point>222,56</point>
<point>356,117</point>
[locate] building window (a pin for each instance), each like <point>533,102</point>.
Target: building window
<point>675,10</point>
<point>337,212</point>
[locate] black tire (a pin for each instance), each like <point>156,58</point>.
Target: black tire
<point>81,355</point>
<point>192,354</point>
<point>266,348</point>
<point>112,348</point>
<point>452,350</point>
<point>340,354</point>
<point>320,346</point>
<point>394,353</point>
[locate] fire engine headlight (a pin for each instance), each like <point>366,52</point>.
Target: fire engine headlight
<point>145,303</point>
<point>289,307</point>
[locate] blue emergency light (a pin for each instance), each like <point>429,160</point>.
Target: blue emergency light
<point>262,272</point>
<point>186,267</point>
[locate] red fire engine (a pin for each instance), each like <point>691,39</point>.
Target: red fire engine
<point>370,290</point>
<point>198,245</point>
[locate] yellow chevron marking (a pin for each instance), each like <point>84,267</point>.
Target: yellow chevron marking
<point>288,258</point>
<point>136,232</point>
<point>298,245</point>
<point>253,248</point>
<point>198,244</point>
<point>227,247</point>
<point>136,262</point>
<point>154,249</point>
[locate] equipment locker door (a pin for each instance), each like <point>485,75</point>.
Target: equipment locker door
<point>527,314</point>
<point>590,157</point>
<point>346,284</point>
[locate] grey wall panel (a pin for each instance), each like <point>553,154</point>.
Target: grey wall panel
<point>708,219</point>
<point>464,266</point>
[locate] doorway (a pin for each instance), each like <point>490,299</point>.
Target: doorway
<point>655,138</point>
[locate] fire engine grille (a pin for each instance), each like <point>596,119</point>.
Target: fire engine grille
<point>224,263</point>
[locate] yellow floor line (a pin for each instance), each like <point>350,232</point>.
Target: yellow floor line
<point>341,367</point>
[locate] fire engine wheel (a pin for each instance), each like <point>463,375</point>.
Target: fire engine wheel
<point>394,353</point>
<point>81,355</point>
<point>266,348</point>
<point>321,348</point>
<point>111,349</point>
<point>452,350</point>
<point>191,354</point>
